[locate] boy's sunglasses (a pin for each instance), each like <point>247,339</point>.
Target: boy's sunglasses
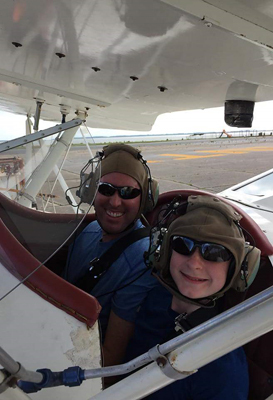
<point>124,192</point>
<point>209,251</point>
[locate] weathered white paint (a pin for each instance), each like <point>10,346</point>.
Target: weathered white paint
<point>39,335</point>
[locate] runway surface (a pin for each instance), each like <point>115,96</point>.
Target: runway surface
<point>207,164</point>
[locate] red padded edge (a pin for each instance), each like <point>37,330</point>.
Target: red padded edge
<point>261,240</point>
<point>45,283</point>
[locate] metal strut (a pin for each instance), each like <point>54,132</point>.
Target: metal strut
<point>22,140</point>
<point>39,103</point>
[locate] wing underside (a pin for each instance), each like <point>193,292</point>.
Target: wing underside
<point>127,61</point>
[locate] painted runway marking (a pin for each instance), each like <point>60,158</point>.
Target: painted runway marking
<point>192,157</point>
<point>216,153</point>
<point>237,151</point>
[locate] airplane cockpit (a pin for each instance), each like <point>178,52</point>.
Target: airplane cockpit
<point>29,236</point>
<point>46,201</point>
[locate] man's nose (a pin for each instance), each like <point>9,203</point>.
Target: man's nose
<point>115,200</point>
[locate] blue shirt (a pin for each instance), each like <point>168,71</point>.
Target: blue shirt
<point>223,379</point>
<point>126,301</point>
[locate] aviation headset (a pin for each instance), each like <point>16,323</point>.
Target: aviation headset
<point>206,219</point>
<point>124,159</point>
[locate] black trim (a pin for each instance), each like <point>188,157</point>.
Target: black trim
<point>99,266</point>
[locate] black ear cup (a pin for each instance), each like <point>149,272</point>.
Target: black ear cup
<point>88,187</point>
<point>249,269</point>
<point>152,196</point>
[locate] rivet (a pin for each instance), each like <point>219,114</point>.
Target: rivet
<point>17,44</point>
<point>162,88</point>
<point>161,362</point>
<point>60,55</point>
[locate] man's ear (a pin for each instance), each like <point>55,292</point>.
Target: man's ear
<point>88,187</point>
<point>152,195</point>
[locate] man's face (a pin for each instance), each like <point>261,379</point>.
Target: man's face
<point>196,277</point>
<point>113,213</point>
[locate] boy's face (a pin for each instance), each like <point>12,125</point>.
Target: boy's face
<point>195,277</point>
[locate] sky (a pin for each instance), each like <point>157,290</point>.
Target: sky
<point>208,120</point>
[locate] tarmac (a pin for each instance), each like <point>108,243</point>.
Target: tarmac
<point>207,164</point>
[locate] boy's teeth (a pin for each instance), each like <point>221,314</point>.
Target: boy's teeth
<point>195,279</point>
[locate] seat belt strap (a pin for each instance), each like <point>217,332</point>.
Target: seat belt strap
<point>98,266</point>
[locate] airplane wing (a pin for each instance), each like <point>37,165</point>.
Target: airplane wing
<point>127,61</point>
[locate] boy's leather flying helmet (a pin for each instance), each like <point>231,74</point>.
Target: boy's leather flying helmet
<point>208,219</point>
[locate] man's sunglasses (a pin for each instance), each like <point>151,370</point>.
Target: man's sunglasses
<point>124,192</point>
<point>209,251</point>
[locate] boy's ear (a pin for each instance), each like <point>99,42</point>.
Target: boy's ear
<point>249,269</point>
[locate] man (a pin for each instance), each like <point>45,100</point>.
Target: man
<point>125,191</point>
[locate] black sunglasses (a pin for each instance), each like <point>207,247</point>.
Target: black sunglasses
<point>124,192</point>
<point>209,251</point>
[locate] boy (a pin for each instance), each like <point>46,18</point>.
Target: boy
<point>202,254</point>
